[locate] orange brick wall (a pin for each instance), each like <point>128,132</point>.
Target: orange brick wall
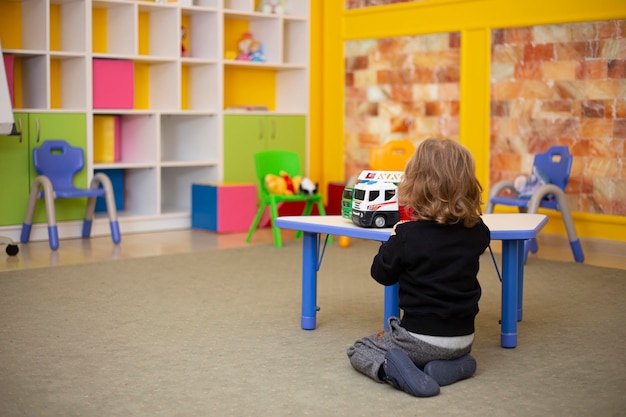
<point>563,84</point>
<point>397,88</point>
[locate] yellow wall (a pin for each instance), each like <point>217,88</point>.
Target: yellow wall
<point>332,26</point>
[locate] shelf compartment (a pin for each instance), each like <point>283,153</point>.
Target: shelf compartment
<point>140,192</point>
<point>201,34</point>
<point>114,28</point>
<point>200,88</point>
<point>209,4</point>
<point>67,26</point>
<point>299,9</point>
<point>264,28</point>
<point>158,30</point>
<point>30,75</point>
<point>237,86</point>
<point>292,91</point>
<point>68,83</point>
<point>239,5</point>
<point>176,186</point>
<point>189,138</point>
<point>137,138</point>
<point>296,52</point>
<point>280,89</point>
<point>155,85</point>
<point>23,25</point>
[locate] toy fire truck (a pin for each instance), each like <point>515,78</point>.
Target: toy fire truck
<point>375,200</point>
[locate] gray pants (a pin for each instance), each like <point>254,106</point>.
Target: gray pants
<point>368,354</point>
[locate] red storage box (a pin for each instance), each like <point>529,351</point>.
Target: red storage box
<point>113,84</point>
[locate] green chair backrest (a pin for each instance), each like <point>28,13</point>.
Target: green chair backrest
<point>273,162</point>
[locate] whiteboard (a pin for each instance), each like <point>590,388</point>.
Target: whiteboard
<point>6,112</point>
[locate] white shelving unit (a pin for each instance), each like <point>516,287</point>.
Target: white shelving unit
<point>174,135</point>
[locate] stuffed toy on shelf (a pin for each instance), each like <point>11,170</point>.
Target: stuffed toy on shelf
<point>249,49</point>
<point>273,6</point>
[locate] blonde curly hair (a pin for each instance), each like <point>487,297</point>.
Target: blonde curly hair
<point>440,184</point>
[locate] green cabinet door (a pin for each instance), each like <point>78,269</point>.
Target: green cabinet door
<point>71,127</point>
<point>14,179</point>
<point>244,135</point>
<point>288,133</point>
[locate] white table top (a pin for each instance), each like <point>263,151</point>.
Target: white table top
<point>503,226</point>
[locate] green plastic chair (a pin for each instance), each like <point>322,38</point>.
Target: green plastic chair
<point>273,162</point>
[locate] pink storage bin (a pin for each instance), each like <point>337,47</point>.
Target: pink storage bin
<point>113,84</point>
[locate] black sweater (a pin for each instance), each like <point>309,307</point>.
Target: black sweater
<point>436,266</point>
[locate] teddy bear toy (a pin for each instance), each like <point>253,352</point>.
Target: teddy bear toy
<point>284,184</point>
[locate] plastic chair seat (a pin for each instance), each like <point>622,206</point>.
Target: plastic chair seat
<point>76,192</point>
<point>548,203</point>
<point>57,162</point>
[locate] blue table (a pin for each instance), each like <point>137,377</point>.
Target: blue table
<point>512,229</point>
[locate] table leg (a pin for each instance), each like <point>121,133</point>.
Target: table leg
<point>521,258</point>
<point>392,307</point>
<point>510,260</point>
<point>309,280</point>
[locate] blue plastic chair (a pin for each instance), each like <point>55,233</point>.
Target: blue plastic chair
<point>555,166</point>
<point>57,163</point>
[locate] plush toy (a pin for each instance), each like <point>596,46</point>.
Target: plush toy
<point>307,187</point>
<point>272,6</point>
<point>526,186</point>
<point>288,182</point>
<point>283,184</point>
<point>249,49</point>
<point>183,41</point>
<point>243,46</point>
<point>256,52</point>
<point>275,184</point>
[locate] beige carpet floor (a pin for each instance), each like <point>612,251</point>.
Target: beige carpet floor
<point>218,333</point>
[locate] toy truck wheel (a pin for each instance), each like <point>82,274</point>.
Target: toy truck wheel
<point>380,221</point>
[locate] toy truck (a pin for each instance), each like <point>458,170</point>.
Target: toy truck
<point>375,200</point>
<point>346,202</point>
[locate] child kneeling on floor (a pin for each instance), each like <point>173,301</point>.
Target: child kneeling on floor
<point>434,257</point>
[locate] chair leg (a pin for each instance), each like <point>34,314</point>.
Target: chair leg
<point>48,192</point>
<point>53,237</point>
<point>256,221</point>
<point>88,221</point>
<point>278,242</point>
<point>104,180</point>
<point>535,200</point>
<point>320,207</point>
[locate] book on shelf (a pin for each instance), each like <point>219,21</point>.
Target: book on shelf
<point>106,138</point>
